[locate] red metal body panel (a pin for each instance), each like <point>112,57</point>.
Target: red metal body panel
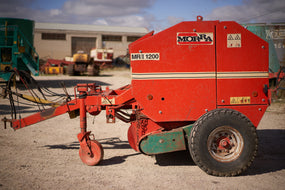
<point>252,55</point>
<point>252,88</point>
<point>176,100</point>
<point>173,57</point>
<point>179,92</point>
<point>253,112</point>
<point>139,129</point>
<point>192,77</point>
<point>242,70</point>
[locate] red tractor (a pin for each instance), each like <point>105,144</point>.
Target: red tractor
<point>200,85</point>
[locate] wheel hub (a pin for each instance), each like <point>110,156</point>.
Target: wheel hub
<point>225,144</point>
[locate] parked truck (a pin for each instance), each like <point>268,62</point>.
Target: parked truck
<point>90,63</point>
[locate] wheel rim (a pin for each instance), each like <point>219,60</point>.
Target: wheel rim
<point>225,144</point>
<point>95,157</point>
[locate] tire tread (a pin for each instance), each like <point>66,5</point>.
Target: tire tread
<point>195,133</point>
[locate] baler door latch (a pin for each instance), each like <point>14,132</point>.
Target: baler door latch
<point>265,90</point>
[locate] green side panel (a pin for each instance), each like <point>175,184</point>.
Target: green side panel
<point>26,26</point>
<point>187,130</point>
<point>16,47</point>
<point>5,76</point>
<point>29,63</point>
<point>265,32</point>
<point>164,142</point>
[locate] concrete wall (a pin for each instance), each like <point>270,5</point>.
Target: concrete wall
<point>55,49</point>
<point>120,48</point>
<point>58,49</point>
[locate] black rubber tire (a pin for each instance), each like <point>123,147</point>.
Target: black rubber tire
<point>96,70</point>
<point>93,70</point>
<point>215,120</point>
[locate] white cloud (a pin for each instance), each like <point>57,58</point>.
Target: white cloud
<point>129,20</point>
<point>136,12</point>
<point>174,20</point>
<point>251,11</point>
<point>105,8</point>
<point>108,12</point>
<point>55,12</point>
<point>100,22</point>
<point>105,12</point>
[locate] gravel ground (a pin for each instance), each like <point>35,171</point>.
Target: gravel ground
<point>45,155</point>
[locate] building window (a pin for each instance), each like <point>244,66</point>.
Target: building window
<point>53,36</point>
<point>133,38</point>
<point>111,38</point>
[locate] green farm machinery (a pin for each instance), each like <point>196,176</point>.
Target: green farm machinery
<point>16,47</point>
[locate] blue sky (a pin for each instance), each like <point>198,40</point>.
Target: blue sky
<point>188,8</point>
<point>152,14</point>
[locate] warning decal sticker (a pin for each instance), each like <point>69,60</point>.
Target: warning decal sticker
<point>240,100</point>
<point>106,101</point>
<point>233,40</point>
<point>194,38</point>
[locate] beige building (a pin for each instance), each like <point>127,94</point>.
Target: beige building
<point>58,41</point>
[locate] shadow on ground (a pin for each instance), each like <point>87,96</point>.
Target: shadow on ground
<point>180,158</point>
<point>270,158</point>
<point>271,153</point>
<point>107,143</point>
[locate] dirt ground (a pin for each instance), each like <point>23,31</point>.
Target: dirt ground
<point>45,155</point>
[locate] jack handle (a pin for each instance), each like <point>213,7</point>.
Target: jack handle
<point>5,120</point>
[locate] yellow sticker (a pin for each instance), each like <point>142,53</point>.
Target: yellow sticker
<point>240,100</point>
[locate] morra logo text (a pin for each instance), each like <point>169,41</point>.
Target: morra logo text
<point>194,38</point>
